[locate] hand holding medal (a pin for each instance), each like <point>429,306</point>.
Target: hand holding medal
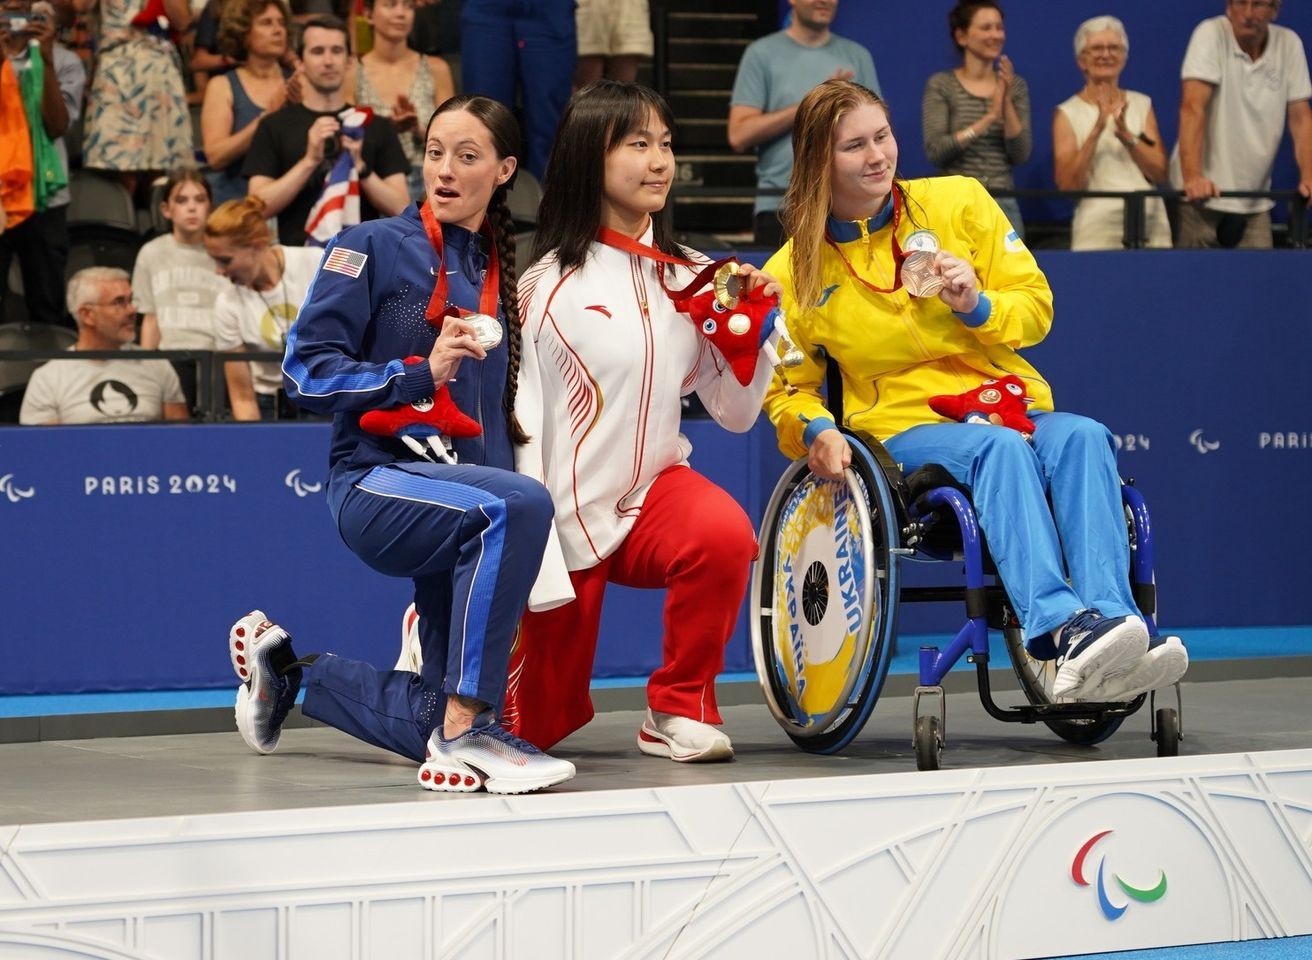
<point>960,286</point>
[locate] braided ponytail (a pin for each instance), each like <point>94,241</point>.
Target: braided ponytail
<point>503,232</point>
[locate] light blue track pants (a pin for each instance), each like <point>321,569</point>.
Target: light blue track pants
<point>1070,463</point>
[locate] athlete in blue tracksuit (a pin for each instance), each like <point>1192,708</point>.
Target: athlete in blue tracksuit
<point>470,535</point>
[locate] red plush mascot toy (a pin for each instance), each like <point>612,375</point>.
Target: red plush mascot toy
<point>424,420</point>
<point>738,331</point>
<point>1001,402</point>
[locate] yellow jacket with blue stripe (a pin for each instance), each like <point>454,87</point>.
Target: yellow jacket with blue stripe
<point>896,351</point>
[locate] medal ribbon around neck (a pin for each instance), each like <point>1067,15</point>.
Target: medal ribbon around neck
<point>613,238</point>
<point>898,255</point>
<point>487,297</point>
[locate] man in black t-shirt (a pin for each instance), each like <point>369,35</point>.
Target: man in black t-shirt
<point>295,147</point>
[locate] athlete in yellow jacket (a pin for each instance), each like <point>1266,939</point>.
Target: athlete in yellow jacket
<point>846,297</point>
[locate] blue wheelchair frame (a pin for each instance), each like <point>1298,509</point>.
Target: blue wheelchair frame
<point>914,529</point>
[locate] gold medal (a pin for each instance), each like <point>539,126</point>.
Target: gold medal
<point>728,285</point>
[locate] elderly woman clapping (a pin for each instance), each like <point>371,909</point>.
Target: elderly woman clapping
<point>1106,138</point>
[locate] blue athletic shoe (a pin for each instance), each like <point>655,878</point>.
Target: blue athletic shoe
<point>264,699</point>
<point>1091,647</point>
<point>1164,664</point>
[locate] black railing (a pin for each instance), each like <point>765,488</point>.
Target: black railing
<point>1135,236</point>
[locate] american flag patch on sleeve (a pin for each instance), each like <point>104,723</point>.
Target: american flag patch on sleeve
<point>349,262</point>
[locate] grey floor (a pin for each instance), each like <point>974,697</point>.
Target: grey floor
<point>46,781</point>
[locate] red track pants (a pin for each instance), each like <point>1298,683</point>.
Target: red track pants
<point>691,538</point>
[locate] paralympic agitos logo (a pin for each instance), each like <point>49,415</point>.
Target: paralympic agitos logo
<point>1110,910</point>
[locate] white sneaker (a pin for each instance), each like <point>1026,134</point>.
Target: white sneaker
<point>682,739</point>
<point>1091,647</point>
<point>264,699</point>
<point>488,755</point>
<point>412,654</point>
<point>1164,664</point>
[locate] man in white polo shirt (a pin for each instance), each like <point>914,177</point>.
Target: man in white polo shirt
<point>1242,77</point>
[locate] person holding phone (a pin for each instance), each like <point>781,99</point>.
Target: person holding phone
<point>27,38</point>
<point>294,148</point>
<point>976,117</point>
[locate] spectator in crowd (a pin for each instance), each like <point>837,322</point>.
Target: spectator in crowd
<point>255,311</point>
<point>137,119</point>
<point>1242,77</point>
<point>613,36</point>
<point>976,118</point>
<point>293,151</point>
<point>253,32</point>
<point>103,391</point>
<point>52,79</point>
<point>775,73</point>
<point>175,279</point>
<point>1106,138</point>
<point>512,51</point>
<point>207,58</point>
<point>400,83</point>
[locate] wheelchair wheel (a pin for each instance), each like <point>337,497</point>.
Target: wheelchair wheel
<point>1036,678</point>
<point>825,588</point>
<point>929,743</point>
<point>1167,732</point>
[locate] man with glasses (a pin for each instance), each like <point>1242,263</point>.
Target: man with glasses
<point>103,391</point>
<point>1242,78</point>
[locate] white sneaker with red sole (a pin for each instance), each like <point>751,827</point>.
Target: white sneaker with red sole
<point>488,755</point>
<point>264,699</point>
<point>682,739</point>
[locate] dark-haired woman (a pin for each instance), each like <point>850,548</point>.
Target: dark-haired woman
<point>470,534</point>
<point>613,358</point>
<point>976,118</point>
<point>850,218</point>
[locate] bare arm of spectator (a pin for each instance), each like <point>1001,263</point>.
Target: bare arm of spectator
<point>222,145</point>
<point>149,331</point>
<point>176,411</point>
<point>241,390</point>
<point>1195,95</point>
<point>1072,164</point>
<point>178,13</point>
<point>1150,158</point>
<point>444,83</point>
<point>54,111</point>
<point>385,186</point>
<point>1017,135</point>
<point>752,126</point>
<point>278,192</point>
<point>1300,131</point>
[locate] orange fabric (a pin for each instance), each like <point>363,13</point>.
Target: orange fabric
<point>15,151</point>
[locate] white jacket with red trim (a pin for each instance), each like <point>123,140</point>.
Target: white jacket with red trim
<point>606,359</point>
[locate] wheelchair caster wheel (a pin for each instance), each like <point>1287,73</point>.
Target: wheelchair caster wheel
<point>929,743</point>
<point>1167,732</point>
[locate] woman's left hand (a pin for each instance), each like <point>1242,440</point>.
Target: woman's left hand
<point>754,279</point>
<point>960,285</point>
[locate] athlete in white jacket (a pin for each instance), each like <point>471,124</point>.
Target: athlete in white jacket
<point>606,360</point>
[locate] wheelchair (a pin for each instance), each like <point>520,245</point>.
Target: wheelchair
<point>828,584</point>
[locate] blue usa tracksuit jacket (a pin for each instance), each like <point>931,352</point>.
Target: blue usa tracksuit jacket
<point>470,536</point>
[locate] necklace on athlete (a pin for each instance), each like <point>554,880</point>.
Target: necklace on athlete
<point>487,297</point>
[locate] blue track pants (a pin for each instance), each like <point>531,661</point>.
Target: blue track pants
<point>471,538</point>
<point>1072,464</point>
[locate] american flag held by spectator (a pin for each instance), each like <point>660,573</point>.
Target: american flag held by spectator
<point>339,204</point>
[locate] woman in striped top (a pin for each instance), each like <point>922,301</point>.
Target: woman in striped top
<point>976,118</point>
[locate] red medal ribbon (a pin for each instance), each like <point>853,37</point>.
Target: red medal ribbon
<point>898,255</point>
<point>487,298</point>
<point>613,238</point>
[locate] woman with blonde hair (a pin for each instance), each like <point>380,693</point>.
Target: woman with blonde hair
<point>1106,138</point>
<point>916,288</point>
<point>255,312</point>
